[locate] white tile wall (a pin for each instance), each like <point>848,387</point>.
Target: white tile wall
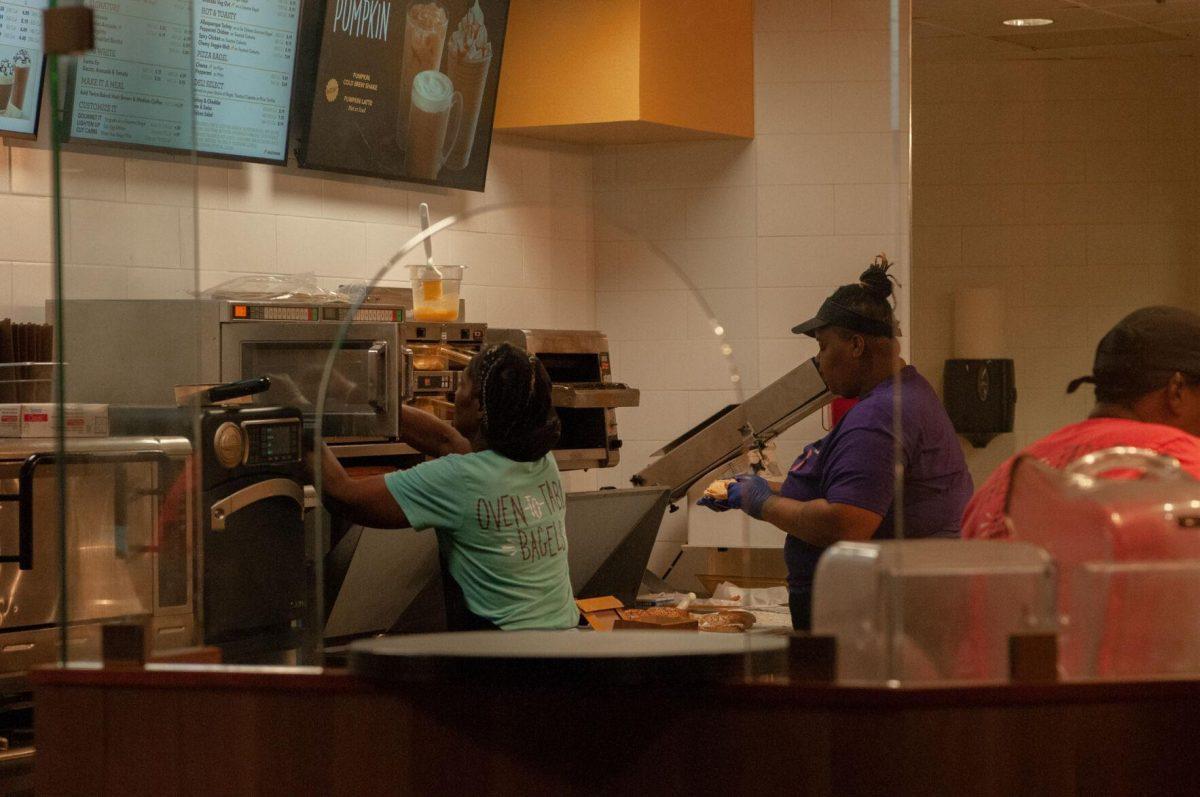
<point>25,228</point>
<point>384,240</point>
<point>782,108</point>
<point>795,210</point>
<point>323,246</point>
<point>801,209</point>
<point>1070,184</point>
<point>153,181</point>
<point>127,220</point>
<point>31,284</point>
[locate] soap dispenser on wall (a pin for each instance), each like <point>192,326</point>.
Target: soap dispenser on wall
<point>979,385</point>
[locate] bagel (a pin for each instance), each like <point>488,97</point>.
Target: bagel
<point>656,612</point>
<point>719,490</point>
<point>727,622</point>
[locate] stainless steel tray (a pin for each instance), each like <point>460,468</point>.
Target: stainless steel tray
<point>598,396</point>
<point>726,435</point>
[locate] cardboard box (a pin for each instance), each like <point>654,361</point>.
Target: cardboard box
<point>600,613</point>
<point>82,420</point>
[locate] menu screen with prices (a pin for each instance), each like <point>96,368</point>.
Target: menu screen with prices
<point>209,75</point>
<point>20,65</point>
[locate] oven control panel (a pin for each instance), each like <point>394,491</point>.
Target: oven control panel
<point>436,382</point>
<point>249,441</point>
<point>229,445</point>
<point>271,441</point>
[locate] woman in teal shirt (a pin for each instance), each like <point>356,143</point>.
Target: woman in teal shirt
<point>492,494</point>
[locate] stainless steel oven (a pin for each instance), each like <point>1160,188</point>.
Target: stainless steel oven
<point>371,375</point>
<point>125,555</point>
<point>584,394</point>
<point>174,342</point>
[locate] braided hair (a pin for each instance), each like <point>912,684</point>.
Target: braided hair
<point>516,415</point>
<point>871,296</point>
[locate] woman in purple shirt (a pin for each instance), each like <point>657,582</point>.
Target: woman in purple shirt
<point>843,487</point>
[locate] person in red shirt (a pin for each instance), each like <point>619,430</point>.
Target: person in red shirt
<point>1147,379</point>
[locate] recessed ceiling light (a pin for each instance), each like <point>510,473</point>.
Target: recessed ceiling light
<point>1028,22</point>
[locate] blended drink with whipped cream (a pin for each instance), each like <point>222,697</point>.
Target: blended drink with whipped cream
<point>6,83</point>
<point>21,64</point>
<point>468,59</point>
<point>424,40</point>
<point>433,123</point>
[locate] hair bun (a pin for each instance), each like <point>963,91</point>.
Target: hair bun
<point>876,279</point>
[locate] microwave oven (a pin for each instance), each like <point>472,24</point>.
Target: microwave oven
<point>169,342</point>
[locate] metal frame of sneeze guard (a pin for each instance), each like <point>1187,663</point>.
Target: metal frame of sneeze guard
<point>725,437</point>
<point>1127,555</point>
<point>931,611</point>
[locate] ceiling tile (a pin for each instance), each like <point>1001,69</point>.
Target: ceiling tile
<point>964,48</point>
<point>926,30</point>
<point>1099,37</point>
<point>1158,13</point>
<point>1082,29</point>
<point>987,16</point>
<point>1190,28</point>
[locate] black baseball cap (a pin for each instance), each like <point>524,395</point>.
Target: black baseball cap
<point>834,313</point>
<point>874,287</point>
<point>1144,346</point>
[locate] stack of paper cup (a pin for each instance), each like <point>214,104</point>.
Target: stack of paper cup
<point>979,324</point>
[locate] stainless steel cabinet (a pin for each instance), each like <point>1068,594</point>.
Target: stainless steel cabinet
<point>125,551</point>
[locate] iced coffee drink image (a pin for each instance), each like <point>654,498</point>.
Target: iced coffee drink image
<point>6,83</point>
<point>468,59</point>
<point>424,40</point>
<point>21,64</point>
<point>433,122</point>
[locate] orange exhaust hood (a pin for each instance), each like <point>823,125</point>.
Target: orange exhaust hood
<point>622,71</point>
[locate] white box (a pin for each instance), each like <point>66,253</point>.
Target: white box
<point>10,420</point>
<point>82,420</point>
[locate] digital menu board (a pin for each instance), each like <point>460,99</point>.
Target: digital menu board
<point>142,87</point>
<point>405,90</point>
<point>21,66</point>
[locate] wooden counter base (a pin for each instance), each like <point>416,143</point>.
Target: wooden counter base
<point>139,732</point>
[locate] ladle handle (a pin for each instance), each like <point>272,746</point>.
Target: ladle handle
<point>424,207</point>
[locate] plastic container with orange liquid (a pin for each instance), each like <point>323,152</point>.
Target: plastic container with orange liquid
<point>435,297</point>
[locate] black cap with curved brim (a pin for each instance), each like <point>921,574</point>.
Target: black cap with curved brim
<point>835,314</point>
<point>1144,346</point>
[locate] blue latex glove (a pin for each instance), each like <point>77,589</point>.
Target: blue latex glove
<point>750,493</point>
<point>714,504</point>
<point>717,504</point>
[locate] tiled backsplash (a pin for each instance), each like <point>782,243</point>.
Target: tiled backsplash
<point>135,226</point>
